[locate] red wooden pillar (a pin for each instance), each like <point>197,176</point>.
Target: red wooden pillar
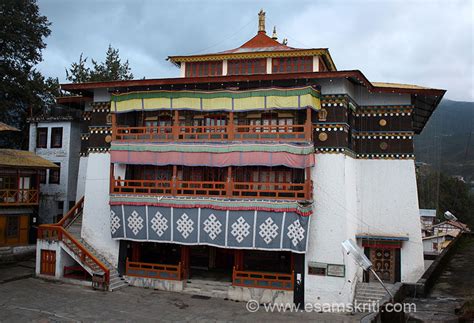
<point>176,125</point>
<point>174,180</point>
<point>239,259</point>
<point>307,183</point>
<point>230,126</point>
<point>230,182</point>
<point>136,251</point>
<point>185,261</point>
<point>308,127</point>
<point>112,178</point>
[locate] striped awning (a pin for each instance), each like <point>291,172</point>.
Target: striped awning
<point>225,100</point>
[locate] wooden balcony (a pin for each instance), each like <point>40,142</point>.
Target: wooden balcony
<point>229,189</point>
<point>19,197</point>
<point>282,133</point>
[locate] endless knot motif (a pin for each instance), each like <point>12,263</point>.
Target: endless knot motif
<point>295,232</point>
<point>135,223</point>
<point>268,230</point>
<point>240,229</point>
<point>159,224</point>
<point>114,222</point>
<point>212,226</point>
<point>185,225</point>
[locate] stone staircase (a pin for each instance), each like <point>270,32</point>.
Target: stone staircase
<point>368,293</point>
<point>207,288</point>
<point>74,228</point>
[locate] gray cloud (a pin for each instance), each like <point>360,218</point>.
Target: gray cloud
<point>429,43</point>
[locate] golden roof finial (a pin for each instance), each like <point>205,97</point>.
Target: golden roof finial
<point>261,21</point>
<point>274,36</point>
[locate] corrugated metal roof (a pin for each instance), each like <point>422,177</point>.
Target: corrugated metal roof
<point>428,212</point>
<point>12,158</point>
<point>5,127</point>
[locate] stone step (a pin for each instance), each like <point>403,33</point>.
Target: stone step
<point>200,292</point>
<point>369,293</point>
<point>117,285</point>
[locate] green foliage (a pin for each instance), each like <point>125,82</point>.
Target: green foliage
<point>110,70</point>
<point>444,193</point>
<point>23,90</point>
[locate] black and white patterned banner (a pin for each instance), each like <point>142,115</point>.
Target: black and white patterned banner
<point>228,229</point>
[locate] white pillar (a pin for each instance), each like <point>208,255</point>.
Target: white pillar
<point>316,63</point>
<point>182,69</point>
<point>224,67</point>
<point>269,65</point>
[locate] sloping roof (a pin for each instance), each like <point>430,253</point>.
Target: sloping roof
<point>400,86</point>
<point>428,212</point>
<point>452,233</point>
<point>259,43</point>
<point>12,158</point>
<point>456,224</point>
<point>5,127</point>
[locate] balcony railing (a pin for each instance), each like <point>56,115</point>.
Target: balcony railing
<point>257,190</point>
<point>286,133</point>
<point>18,197</point>
<point>157,271</point>
<point>262,280</point>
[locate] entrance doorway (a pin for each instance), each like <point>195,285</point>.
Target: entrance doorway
<point>386,264</point>
<point>211,263</point>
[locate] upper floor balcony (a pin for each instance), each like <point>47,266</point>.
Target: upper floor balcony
<point>189,126</point>
<point>267,114</point>
<point>277,183</point>
<point>19,188</point>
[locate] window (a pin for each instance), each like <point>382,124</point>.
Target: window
<point>60,205</point>
<point>194,69</point>
<point>56,137</point>
<point>435,246</point>
<point>246,66</point>
<point>54,175</point>
<point>42,138</point>
<point>42,176</point>
<point>292,64</point>
<point>13,226</point>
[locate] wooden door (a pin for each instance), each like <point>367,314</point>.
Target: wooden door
<point>383,262</point>
<point>48,262</point>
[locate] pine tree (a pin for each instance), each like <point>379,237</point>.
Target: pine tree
<point>22,88</point>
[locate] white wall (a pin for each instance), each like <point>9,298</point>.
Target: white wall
<point>68,156</point>
<point>101,95</point>
<point>388,206</point>
<point>81,177</point>
<point>332,222</point>
<point>96,216</point>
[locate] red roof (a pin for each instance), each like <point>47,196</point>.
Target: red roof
<point>259,43</point>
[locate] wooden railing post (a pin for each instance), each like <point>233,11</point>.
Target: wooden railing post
<point>308,129</point>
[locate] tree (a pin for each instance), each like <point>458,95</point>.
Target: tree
<point>111,69</point>
<point>22,88</point>
<point>79,72</point>
<point>444,193</point>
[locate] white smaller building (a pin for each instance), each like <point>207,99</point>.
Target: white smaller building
<point>57,138</point>
<point>435,244</point>
<point>428,219</point>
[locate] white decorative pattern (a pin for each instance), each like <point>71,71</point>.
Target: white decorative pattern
<point>159,224</point>
<point>295,232</point>
<point>135,223</point>
<point>240,229</point>
<point>268,230</point>
<point>114,222</point>
<point>212,226</point>
<point>185,225</point>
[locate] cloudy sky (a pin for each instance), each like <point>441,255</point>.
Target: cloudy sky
<point>424,42</point>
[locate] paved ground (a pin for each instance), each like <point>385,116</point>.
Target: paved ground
<point>31,299</point>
